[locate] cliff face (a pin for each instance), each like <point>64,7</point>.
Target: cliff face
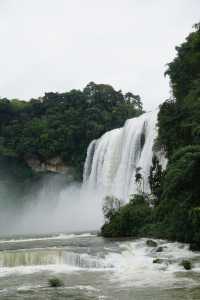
<point>55,165</point>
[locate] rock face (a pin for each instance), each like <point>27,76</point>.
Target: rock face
<point>55,165</point>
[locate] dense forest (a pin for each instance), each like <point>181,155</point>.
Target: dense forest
<point>175,213</point>
<point>62,124</point>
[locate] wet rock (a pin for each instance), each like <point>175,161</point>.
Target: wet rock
<point>159,249</point>
<point>54,165</point>
<point>162,261</point>
<point>151,243</point>
<point>186,264</point>
<point>157,261</point>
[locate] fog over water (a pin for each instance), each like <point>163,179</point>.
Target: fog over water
<point>52,207</point>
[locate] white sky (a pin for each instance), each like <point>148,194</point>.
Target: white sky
<point>58,45</point>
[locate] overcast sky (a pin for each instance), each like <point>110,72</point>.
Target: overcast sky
<point>58,45</point>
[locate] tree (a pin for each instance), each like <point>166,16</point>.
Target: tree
<point>111,206</point>
<point>61,124</point>
<point>180,196</point>
<point>135,100</point>
<point>156,179</point>
<point>183,110</point>
<point>139,180</point>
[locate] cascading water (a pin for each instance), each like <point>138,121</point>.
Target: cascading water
<point>45,257</point>
<point>112,161</point>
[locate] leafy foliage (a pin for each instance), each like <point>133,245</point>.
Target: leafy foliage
<point>111,207</point>
<point>155,179</point>
<point>63,124</point>
<point>179,134</point>
<point>55,282</point>
<point>180,199</point>
<point>178,119</point>
<point>129,219</point>
<point>176,215</point>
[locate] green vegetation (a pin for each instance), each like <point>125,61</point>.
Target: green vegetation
<point>55,282</point>
<point>176,192</point>
<point>178,120</point>
<point>127,220</point>
<point>186,264</point>
<point>178,213</point>
<point>63,124</point>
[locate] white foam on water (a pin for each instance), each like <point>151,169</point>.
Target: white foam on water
<point>25,288</point>
<point>26,270</point>
<point>83,287</point>
<point>134,265</point>
<point>49,259</point>
<point>60,236</point>
<point>57,269</point>
<point>3,291</point>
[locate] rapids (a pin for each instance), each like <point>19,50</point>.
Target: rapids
<point>94,268</point>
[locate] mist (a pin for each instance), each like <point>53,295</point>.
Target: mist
<point>52,206</point>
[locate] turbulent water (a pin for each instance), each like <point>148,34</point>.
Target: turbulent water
<point>94,268</point>
<point>113,159</point>
<point>89,266</point>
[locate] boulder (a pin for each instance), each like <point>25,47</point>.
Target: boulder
<point>186,264</point>
<point>157,261</point>
<point>151,243</point>
<point>159,249</point>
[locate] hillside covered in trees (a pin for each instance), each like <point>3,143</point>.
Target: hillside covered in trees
<point>175,213</point>
<point>62,124</point>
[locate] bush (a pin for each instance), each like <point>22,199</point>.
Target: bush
<point>178,214</point>
<point>55,282</point>
<point>129,219</point>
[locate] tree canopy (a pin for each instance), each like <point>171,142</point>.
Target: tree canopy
<point>63,124</point>
<point>176,191</point>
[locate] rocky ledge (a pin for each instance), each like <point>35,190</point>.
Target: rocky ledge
<point>55,165</point>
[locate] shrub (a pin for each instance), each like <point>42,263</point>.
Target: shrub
<point>55,282</point>
<point>128,220</point>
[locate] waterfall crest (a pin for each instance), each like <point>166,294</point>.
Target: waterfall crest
<point>113,159</point>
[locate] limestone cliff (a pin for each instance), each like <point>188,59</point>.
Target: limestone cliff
<point>55,165</point>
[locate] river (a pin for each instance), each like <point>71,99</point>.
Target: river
<point>95,268</point>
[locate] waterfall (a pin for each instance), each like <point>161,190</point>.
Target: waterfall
<point>113,159</point>
<point>51,256</point>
